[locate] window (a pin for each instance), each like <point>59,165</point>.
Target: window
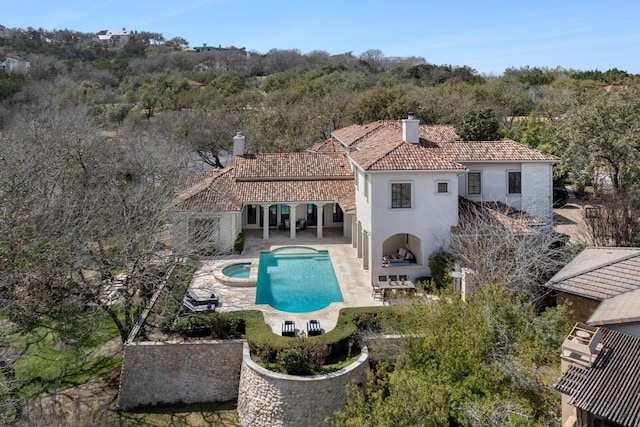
<point>252,213</point>
<point>442,187</point>
<point>338,215</point>
<point>401,195</point>
<point>515,182</point>
<point>366,186</point>
<point>474,185</point>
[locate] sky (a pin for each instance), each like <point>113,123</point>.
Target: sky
<point>488,35</point>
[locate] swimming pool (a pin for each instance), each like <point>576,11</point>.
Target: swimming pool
<point>297,280</point>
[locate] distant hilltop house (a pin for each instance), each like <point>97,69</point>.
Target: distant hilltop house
<point>13,64</point>
<point>116,38</point>
<point>4,32</point>
<point>205,48</point>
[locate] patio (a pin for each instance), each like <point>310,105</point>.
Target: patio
<point>354,281</point>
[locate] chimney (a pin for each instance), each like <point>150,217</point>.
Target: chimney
<point>238,144</point>
<point>411,129</point>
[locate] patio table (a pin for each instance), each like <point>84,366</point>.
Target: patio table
<point>407,286</point>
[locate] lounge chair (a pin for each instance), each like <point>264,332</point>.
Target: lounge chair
<point>288,328</point>
<point>301,224</point>
<point>196,303</point>
<point>313,328</point>
<point>402,257</point>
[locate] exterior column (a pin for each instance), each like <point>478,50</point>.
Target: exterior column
<point>319,218</point>
<point>265,222</point>
<point>292,220</point>
<point>354,232</point>
<point>365,249</point>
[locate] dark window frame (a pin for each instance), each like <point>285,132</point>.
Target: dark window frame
<point>401,197</point>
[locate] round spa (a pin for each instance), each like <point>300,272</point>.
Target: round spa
<point>242,274</point>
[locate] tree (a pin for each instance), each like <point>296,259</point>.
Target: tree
<point>465,364</point>
<point>82,217</point>
<point>599,135</point>
<point>498,249</point>
<point>477,126</point>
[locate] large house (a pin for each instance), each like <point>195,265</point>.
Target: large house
<point>396,189</point>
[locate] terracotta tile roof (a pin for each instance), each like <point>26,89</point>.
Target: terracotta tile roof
<point>472,215</point>
<point>211,194</point>
<point>600,273</point>
<point>441,144</point>
<point>274,166</point>
<point>330,145</point>
<point>478,151</point>
<point>610,388</point>
<point>276,178</point>
<point>384,150</point>
<point>352,134</point>
<point>283,191</point>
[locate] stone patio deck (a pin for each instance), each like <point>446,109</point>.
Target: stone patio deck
<point>353,280</point>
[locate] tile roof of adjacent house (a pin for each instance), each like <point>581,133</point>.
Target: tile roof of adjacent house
<point>610,388</point>
<point>600,273</point>
<point>624,308</point>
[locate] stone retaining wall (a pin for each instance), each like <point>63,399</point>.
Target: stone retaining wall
<point>270,399</point>
<point>174,372</point>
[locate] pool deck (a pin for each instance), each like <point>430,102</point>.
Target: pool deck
<point>354,281</point>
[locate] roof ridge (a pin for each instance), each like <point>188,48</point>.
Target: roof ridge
<point>599,266</point>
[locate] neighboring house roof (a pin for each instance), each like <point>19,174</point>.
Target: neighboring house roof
<point>610,388</point>
<point>624,308</point>
<point>600,273</point>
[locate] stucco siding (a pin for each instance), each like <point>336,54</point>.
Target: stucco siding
<point>537,190</point>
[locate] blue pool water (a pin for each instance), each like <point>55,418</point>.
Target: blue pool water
<point>297,280</point>
<point>238,271</point>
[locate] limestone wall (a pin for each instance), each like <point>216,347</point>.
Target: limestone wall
<point>174,372</point>
<point>269,399</point>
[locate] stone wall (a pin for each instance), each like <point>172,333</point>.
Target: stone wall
<point>174,372</point>
<point>581,308</point>
<point>269,399</point>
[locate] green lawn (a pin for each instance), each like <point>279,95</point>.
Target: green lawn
<point>55,357</point>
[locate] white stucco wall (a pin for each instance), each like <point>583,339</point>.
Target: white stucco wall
<point>430,218</point>
<point>230,226</point>
<point>537,190</point>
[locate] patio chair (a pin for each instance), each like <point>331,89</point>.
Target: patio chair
<point>313,328</point>
<point>288,328</point>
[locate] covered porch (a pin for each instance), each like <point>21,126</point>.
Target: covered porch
<point>307,219</point>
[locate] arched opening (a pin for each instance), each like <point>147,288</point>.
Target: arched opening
<point>402,249</point>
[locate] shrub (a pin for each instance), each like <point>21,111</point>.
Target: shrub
<point>239,243</point>
<point>292,361</point>
<point>441,264</point>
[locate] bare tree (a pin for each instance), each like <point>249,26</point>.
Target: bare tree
<point>499,246</point>
<point>85,214</point>
<point>612,220</point>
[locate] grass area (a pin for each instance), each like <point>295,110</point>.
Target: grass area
<point>203,414</point>
<point>56,356</point>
